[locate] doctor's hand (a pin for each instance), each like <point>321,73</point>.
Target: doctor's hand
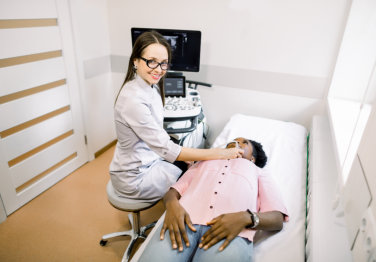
<point>175,220</point>
<point>230,153</point>
<point>226,226</point>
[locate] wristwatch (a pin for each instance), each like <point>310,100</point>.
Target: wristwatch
<point>255,220</point>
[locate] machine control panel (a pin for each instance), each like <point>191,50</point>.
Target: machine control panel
<point>180,101</point>
<point>183,106</point>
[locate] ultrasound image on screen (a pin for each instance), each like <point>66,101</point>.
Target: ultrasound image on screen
<point>185,45</point>
<point>174,41</point>
<point>178,44</point>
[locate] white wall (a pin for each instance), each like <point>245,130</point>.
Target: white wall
<point>220,103</point>
<point>91,31</point>
<point>247,44</point>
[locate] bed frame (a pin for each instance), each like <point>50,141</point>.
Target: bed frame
<point>326,234</point>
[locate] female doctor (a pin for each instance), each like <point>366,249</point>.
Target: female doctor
<point>141,167</point>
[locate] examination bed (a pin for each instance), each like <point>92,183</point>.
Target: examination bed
<point>285,144</point>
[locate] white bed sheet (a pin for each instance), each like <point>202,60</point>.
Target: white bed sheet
<point>286,148</point>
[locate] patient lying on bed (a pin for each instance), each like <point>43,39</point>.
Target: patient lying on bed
<point>214,210</point>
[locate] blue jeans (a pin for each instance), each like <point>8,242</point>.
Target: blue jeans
<point>239,249</point>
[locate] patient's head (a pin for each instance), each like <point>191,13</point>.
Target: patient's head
<point>253,150</point>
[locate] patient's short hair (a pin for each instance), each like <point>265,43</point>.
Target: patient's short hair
<point>259,154</point>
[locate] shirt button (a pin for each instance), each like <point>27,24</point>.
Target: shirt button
<point>215,192</point>
<point>223,173</point>
<point>211,206</point>
<point>219,182</point>
<point>225,166</point>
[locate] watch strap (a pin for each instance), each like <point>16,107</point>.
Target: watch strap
<point>255,220</point>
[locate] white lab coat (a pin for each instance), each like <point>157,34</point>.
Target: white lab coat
<point>138,169</point>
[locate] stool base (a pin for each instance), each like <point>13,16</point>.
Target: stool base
<point>135,233</point>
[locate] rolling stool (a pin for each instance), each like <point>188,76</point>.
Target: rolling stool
<point>133,206</point>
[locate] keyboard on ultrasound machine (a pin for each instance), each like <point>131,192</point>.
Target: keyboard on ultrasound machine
<point>179,106</point>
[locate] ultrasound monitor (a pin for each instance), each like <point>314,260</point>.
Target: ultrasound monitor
<point>174,86</point>
<point>185,45</point>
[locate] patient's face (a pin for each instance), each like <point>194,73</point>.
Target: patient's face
<point>245,145</point>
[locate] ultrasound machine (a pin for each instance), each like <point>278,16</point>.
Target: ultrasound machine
<point>184,120</point>
<point>180,102</point>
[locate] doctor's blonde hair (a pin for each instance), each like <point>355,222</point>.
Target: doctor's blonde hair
<point>142,42</point>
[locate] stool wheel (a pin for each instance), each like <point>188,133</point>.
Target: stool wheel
<point>103,242</point>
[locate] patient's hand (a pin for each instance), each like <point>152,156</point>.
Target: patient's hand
<point>175,220</point>
<point>226,226</point>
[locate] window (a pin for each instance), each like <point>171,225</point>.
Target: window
<point>353,85</point>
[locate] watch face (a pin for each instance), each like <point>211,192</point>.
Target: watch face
<point>256,220</point>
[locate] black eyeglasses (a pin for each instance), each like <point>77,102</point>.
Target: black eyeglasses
<point>152,64</point>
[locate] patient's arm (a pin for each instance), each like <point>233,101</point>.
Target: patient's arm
<point>175,220</point>
<point>229,225</point>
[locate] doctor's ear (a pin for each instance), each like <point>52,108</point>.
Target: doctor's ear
<point>253,159</point>
<point>134,64</point>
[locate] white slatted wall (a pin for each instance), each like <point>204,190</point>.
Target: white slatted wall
<point>41,129</point>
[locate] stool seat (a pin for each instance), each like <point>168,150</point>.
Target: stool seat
<point>126,204</point>
<point>130,205</point>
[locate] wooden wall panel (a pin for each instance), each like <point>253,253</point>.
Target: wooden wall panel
<point>33,74</point>
<point>31,91</point>
<point>40,162</point>
<point>32,107</point>
<point>24,41</point>
<point>38,149</point>
<point>30,138</point>
<point>25,23</point>
<point>48,172</point>
<point>18,60</point>
<point>20,9</point>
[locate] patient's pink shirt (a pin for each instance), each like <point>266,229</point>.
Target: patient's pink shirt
<point>215,187</point>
